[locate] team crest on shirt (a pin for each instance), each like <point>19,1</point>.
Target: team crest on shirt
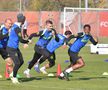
<point>85,39</point>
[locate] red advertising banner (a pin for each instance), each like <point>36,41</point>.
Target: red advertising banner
<point>35,20</point>
<point>103,24</point>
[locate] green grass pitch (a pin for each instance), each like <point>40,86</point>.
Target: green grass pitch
<point>87,78</point>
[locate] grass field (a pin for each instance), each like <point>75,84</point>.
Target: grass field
<point>88,78</point>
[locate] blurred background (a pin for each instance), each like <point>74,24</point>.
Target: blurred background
<point>38,11</point>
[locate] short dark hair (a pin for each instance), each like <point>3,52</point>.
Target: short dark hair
<point>87,25</point>
<point>49,22</point>
<point>68,33</point>
<point>21,17</point>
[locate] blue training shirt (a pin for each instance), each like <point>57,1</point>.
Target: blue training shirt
<point>44,38</point>
<point>53,44</point>
<point>3,42</point>
<point>13,41</point>
<point>79,43</point>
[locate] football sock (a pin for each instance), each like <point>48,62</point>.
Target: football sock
<point>62,75</point>
<point>43,68</point>
<point>69,70</point>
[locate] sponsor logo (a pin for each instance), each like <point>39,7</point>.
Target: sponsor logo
<point>104,24</point>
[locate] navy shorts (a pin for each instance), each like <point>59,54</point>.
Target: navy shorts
<point>73,57</point>
<point>4,53</point>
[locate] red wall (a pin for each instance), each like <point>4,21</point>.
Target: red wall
<point>33,19</point>
<point>103,25</point>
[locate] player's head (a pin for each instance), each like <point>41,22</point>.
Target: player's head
<point>87,28</point>
<point>21,18</point>
<point>8,23</point>
<point>49,24</point>
<point>68,33</point>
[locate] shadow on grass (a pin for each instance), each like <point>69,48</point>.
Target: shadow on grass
<point>35,78</point>
<point>89,78</point>
<point>30,79</point>
<point>78,71</point>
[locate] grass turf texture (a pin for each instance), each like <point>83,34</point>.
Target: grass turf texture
<point>88,78</point>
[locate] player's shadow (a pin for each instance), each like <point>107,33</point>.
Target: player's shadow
<point>78,71</point>
<point>90,78</point>
<point>30,79</point>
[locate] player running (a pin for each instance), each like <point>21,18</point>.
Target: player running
<point>13,47</point>
<point>55,43</point>
<point>44,37</point>
<point>4,35</point>
<point>75,60</point>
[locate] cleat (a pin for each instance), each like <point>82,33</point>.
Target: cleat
<point>66,75</point>
<point>27,74</point>
<point>15,80</point>
<point>36,67</point>
<point>43,71</point>
<point>61,78</point>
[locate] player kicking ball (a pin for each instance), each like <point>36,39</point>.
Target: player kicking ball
<point>75,60</point>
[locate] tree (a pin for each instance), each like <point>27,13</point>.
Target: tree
<point>51,4</point>
<point>8,5</point>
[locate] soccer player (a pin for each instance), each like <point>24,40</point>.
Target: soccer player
<point>4,35</point>
<point>13,47</point>
<point>55,43</point>
<point>44,37</point>
<point>75,60</point>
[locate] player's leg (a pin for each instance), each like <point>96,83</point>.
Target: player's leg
<point>20,58</point>
<point>13,53</point>
<point>45,55</point>
<point>34,60</point>
<point>9,62</point>
<point>76,63</point>
<point>36,56</point>
<point>7,59</point>
<point>48,65</point>
<point>80,63</point>
<point>37,64</point>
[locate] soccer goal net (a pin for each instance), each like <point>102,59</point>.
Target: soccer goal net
<point>76,18</point>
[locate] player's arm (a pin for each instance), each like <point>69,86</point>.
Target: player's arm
<point>17,30</point>
<point>3,35</point>
<point>80,34</point>
<point>35,35</point>
<point>55,34</point>
<point>94,40</point>
<point>75,36</point>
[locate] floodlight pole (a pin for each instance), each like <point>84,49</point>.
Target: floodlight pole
<point>79,3</point>
<point>79,17</point>
<point>20,7</point>
<point>64,20</point>
<point>86,5</point>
